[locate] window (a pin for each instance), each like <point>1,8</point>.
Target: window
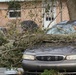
<point>14,13</point>
<point>50,15</point>
<point>14,10</point>
<point>49,18</point>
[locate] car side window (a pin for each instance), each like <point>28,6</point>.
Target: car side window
<point>56,30</point>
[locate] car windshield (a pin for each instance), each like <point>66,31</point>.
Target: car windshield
<point>62,29</point>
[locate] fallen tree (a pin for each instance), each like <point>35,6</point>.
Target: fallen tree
<point>11,53</point>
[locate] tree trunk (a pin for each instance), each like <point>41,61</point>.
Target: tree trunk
<point>71,4</point>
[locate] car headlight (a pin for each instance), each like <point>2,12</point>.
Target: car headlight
<point>71,57</point>
<point>28,57</point>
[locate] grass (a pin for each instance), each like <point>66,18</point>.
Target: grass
<point>50,72</point>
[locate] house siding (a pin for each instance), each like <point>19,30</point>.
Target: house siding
<point>29,12</point>
<point>3,14</point>
<point>65,14</point>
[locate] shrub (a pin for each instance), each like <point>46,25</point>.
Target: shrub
<point>29,25</point>
<point>3,39</point>
<point>50,72</point>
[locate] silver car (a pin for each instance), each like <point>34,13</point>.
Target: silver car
<point>62,59</point>
<point>65,27</point>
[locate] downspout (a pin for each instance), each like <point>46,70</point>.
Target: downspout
<point>43,14</point>
<point>61,17</point>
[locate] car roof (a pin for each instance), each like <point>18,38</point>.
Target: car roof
<point>65,23</point>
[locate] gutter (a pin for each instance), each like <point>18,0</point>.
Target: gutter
<point>17,0</point>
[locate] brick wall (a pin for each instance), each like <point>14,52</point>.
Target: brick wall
<point>28,12</point>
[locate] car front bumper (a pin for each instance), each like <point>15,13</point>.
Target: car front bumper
<point>65,65</point>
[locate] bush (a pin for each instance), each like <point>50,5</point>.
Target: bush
<point>50,72</point>
<point>29,25</point>
<point>3,39</point>
<point>22,41</point>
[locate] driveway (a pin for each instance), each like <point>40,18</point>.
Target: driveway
<point>2,71</point>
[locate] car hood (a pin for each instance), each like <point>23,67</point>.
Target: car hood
<point>52,50</point>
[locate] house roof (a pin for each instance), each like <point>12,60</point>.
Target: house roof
<point>5,0</point>
<point>12,0</point>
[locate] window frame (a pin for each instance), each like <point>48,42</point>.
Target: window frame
<point>11,10</point>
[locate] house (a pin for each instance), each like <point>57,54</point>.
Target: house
<point>33,10</point>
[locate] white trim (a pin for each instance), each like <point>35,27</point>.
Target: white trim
<point>13,17</point>
<point>46,23</point>
<point>15,0</point>
<point>3,9</point>
<point>14,10</point>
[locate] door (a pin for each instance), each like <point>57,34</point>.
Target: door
<point>49,17</point>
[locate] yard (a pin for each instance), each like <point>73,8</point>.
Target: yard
<point>13,45</point>
<point>46,13</point>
